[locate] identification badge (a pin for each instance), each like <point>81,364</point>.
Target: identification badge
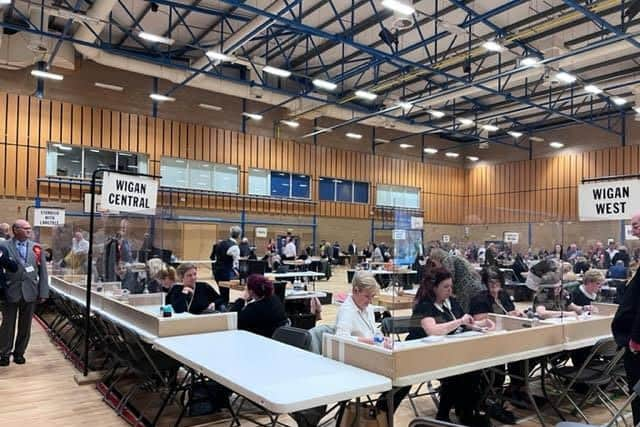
<point>29,269</point>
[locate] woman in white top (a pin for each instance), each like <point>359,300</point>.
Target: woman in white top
<point>355,317</point>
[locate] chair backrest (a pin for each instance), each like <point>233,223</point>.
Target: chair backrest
<point>296,337</point>
<point>279,290</point>
<point>284,268</point>
<point>316,336</point>
<point>396,325</point>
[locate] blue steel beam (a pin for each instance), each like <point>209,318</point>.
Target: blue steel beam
<point>374,52</point>
<point>135,20</point>
<point>597,19</point>
<point>66,29</point>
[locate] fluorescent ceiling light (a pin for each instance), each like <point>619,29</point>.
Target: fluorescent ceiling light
<point>253,116</point>
<point>556,144</point>
<point>618,101</point>
<point>492,46</point>
<point>382,140</point>
<point>473,158</point>
<point>353,135</point>
<point>515,134</point>
<point>406,146</point>
<point>437,114</point>
<point>290,123</point>
<point>108,86</point>
<point>399,7</point>
<point>593,89</point>
<point>63,147</point>
<point>93,150</point>
<point>636,109</point>
<point>431,150</point>
<point>276,71</point>
<point>217,56</point>
<point>405,105</point>
<point>155,38</point>
<point>529,61</point>
<point>46,75</point>
<point>3,2</point>
<point>565,77</point>
<point>323,84</point>
<point>161,98</point>
<point>210,107</point>
<point>490,127</point>
<point>464,121</point>
<point>366,95</point>
<point>451,154</point>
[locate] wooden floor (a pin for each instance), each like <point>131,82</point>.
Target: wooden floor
<point>43,392</point>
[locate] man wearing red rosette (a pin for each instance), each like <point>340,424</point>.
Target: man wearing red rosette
<point>25,288</point>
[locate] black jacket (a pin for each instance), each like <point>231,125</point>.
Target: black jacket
<point>195,303</point>
<point>626,322</point>
<point>261,317</point>
<point>8,264</point>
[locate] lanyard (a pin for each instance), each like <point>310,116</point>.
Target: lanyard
<point>365,319</point>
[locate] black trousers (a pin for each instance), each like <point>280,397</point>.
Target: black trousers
<point>462,392</point>
<point>632,367</point>
<point>23,311</point>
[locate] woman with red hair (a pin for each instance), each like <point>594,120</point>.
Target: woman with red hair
<point>259,310</point>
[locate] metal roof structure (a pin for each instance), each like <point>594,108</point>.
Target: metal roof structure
<point>469,71</point>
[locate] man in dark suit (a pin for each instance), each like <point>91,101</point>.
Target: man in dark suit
<point>626,328</point>
<point>6,264</point>
<point>25,287</point>
<point>352,249</point>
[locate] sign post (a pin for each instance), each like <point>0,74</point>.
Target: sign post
<point>121,191</point>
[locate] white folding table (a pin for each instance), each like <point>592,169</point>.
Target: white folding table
<point>279,377</point>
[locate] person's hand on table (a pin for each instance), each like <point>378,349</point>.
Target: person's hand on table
<point>516,313</point>
<point>388,343</point>
<point>591,308</point>
<point>467,320</point>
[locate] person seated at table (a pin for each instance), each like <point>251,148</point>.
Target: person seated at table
<point>581,265</point>
<point>154,266</point>
<point>496,300</point>
<point>618,271</point>
<point>167,278</point>
<point>587,293</point>
<point>552,300</point>
<point>438,313</point>
<point>259,310</point>
<point>377,255</point>
<point>189,295</point>
<point>567,273</point>
<point>356,319</point>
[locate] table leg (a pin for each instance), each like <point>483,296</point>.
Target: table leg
<point>390,407</point>
<point>527,386</point>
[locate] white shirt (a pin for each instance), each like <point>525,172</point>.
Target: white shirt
<point>79,247</point>
<point>290,250</point>
<point>612,253</point>
<point>234,252</point>
<point>351,321</point>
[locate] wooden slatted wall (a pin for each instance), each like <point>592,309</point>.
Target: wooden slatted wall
<point>27,124</point>
<point>541,189</point>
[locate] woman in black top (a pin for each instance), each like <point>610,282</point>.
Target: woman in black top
<point>191,296</point>
<point>440,314</point>
<point>259,310</point>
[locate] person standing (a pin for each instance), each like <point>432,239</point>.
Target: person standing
<point>25,288</point>
<point>4,232</point>
<point>353,248</point>
<point>626,328</point>
<point>290,250</point>
<point>6,264</point>
<point>227,254</point>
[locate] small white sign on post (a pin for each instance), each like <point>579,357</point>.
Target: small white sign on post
<point>417,223</point>
<point>129,193</point>
<point>261,232</point>
<point>48,217</point>
<point>628,235</point>
<point>608,200</point>
<point>446,238</point>
<point>511,237</point>
<point>399,235</point>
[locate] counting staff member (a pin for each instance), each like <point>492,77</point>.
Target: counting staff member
<point>496,300</point>
<point>191,296</point>
<point>587,293</point>
<point>626,327</point>
<point>551,300</point>
<point>259,310</point>
<point>439,313</point>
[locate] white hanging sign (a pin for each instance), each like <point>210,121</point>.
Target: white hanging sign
<point>511,237</point>
<point>608,200</point>
<point>446,238</point>
<point>417,223</point>
<point>399,234</point>
<point>129,193</point>
<point>48,217</point>
<point>261,232</point>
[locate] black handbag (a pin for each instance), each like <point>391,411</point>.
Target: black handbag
<point>206,397</point>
